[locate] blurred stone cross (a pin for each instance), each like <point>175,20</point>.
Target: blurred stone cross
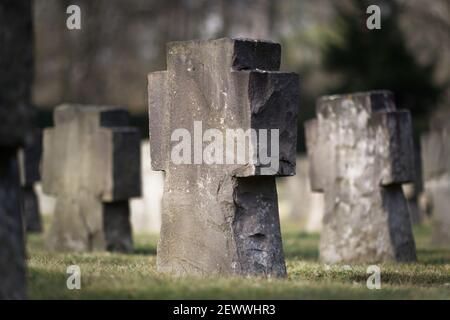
<point>435,146</point>
<point>361,151</point>
<point>91,163</point>
<point>220,216</point>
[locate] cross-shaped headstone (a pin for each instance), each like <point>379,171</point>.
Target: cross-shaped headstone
<point>360,150</point>
<point>221,216</point>
<point>91,163</point>
<point>436,172</point>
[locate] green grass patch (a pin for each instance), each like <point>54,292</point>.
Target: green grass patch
<point>134,276</point>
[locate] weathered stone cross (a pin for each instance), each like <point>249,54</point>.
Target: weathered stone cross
<point>221,217</point>
<point>91,162</point>
<point>360,150</point>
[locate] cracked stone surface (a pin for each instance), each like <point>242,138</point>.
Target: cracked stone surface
<point>436,172</point>
<point>221,218</point>
<point>91,163</point>
<point>361,152</point>
<point>16,65</point>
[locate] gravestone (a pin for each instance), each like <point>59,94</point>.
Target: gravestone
<point>16,74</point>
<point>29,161</point>
<point>221,217</point>
<point>360,150</point>
<point>91,163</point>
<point>145,211</point>
<point>436,171</point>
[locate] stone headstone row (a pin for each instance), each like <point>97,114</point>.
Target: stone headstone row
<point>220,217</point>
<point>220,206</point>
<point>224,219</point>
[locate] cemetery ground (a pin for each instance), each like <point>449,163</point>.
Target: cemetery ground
<point>134,276</point>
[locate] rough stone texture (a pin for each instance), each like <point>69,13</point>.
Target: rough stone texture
<point>360,150</point>
<point>221,218</point>
<point>16,74</point>
<point>29,162</point>
<point>436,172</point>
<point>298,204</point>
<point>91,163</point>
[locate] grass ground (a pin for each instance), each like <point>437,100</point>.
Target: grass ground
<point>134,276</point>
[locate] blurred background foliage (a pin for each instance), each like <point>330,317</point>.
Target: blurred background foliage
<point>376,59</point>
<point>325,41</point>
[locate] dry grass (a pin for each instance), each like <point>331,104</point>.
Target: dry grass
<point>119,276</point>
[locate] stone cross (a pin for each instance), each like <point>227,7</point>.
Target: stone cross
<point>16,77</point>
<point>91,163</point>
<point>435,147</point>
<point>221,216</point>
<point>361,151</point>
<point>29,162</point>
